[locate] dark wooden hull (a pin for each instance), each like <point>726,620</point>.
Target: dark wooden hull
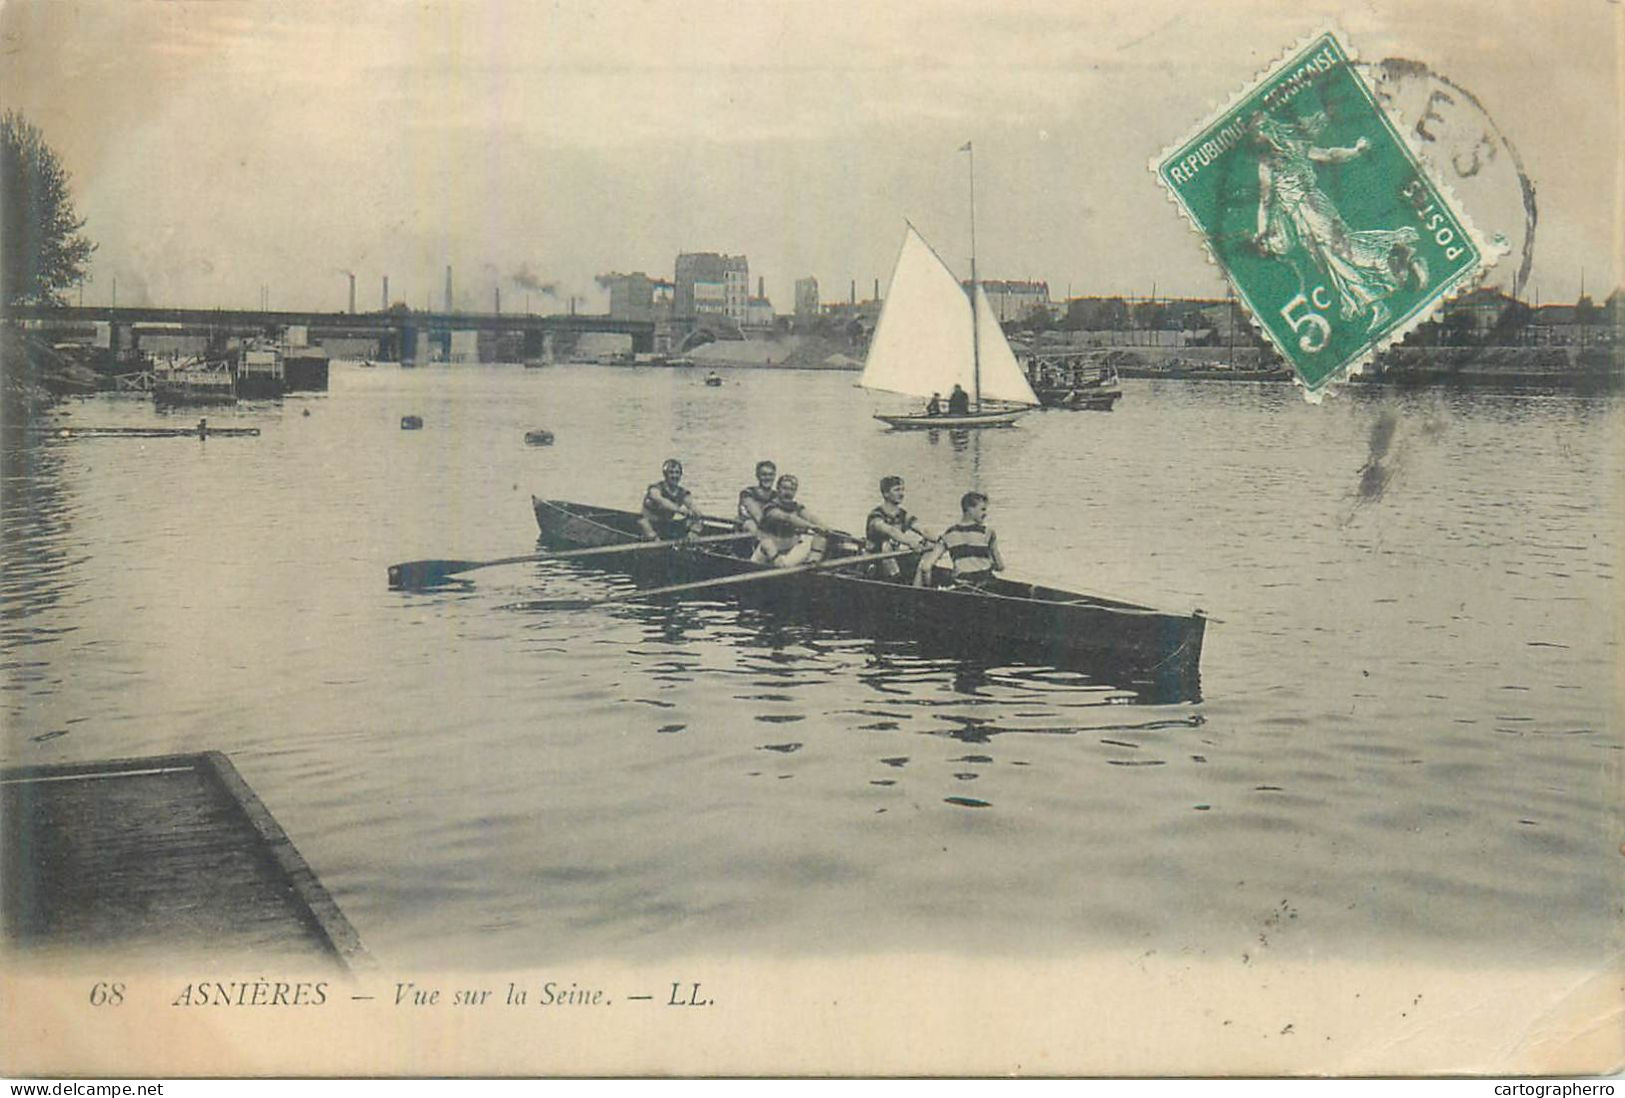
<point>305,373</point>
<point>947,421</point>
<point>1081,400</point>
<point>1156,654</point>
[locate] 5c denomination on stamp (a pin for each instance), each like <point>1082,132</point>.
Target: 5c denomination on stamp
<point>1327,224</point>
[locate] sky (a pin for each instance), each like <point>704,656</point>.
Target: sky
<point>220,148</point>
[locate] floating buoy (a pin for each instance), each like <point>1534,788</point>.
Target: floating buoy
<point>306,412</point>
<point>539,438</point>
<point>411,423</point>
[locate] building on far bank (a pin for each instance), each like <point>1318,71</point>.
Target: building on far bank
<point>806,298</point>
<point>1015,300</point>
<point>707,282</point>
<point>759,313</point>
<point>631,296</point>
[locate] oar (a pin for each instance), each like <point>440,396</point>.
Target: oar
<point>705,585</point>
<point>423,573</point>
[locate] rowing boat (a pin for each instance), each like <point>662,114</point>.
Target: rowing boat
<point>1155,653</point>
<point>146,432</point>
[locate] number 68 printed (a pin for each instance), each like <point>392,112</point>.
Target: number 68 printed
<point>1313,330</point>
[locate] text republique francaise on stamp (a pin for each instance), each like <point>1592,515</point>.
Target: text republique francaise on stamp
<point>1329,227</point>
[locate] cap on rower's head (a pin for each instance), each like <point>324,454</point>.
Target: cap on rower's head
<point>888,483</point>
<point>672,465</point>
<point>789,480</point>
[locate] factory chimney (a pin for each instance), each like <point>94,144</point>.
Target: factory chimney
<point>352,291</point>
<point>877,290</point>
<point>448,287</point>
<point>499,301</point>
<point>384,308</point>
<point>853,292</point>
<point>760,282</point>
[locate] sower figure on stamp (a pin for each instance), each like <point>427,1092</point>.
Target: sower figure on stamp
<point>1364,267</point>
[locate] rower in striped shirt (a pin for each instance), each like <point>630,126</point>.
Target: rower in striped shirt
<point>972,548</point>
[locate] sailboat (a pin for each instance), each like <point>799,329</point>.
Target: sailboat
<point>932,336</point>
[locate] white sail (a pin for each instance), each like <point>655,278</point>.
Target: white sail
<point>1002,377</point>
<point>922,343</point>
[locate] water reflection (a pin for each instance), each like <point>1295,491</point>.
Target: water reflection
<point>37,568</point>
<point>1395,744</point>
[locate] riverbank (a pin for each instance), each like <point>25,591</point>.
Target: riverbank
<point>33,375</point>
<point>1595,369</point>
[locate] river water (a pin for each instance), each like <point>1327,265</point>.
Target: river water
<point>1408,740</point>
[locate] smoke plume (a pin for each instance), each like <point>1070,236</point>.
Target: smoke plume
<point>527,279</point>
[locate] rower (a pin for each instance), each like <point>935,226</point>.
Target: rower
<point>890,527</point>
<point>755,498</point>
<point>789,534</point>
<point>970,545</point>
<point>958,401</point>
<point>203,428</point>
<point>668,507</point>
<point>933,407</point>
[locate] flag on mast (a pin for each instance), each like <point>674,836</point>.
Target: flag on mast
<point>965,148</point>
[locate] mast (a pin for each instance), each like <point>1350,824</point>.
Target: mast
<point>975,323</point>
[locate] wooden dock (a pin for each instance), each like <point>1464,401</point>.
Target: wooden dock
<point>171,853</point>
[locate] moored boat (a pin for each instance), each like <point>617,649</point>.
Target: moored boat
<point>1156,654</point>
<point>1069,380</point>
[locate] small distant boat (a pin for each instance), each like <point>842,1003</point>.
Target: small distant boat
<point>539,438</point>
<point>368,364</point>
<point>147,432</point>
<point>535,363</point>
<point>411,423</point>
<point>933,335</point>
<point>1080,388</point>
<point>714,380</point>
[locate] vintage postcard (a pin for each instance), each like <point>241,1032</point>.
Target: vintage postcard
<point>759,539</point>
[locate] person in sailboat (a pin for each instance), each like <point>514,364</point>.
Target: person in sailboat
<point>890,527</point>
<point>754,498</point>
<point>933,407</point>
<point>789,534</point>
<point>958,401</point>
<point>668,507</point>
<point>972,547</point>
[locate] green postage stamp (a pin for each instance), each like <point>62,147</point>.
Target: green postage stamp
<point>1331,231</point>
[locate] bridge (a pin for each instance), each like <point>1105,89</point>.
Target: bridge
<point>397,334</point>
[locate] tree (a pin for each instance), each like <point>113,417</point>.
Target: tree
<point>1151,314</point>
<point>43,251</point>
